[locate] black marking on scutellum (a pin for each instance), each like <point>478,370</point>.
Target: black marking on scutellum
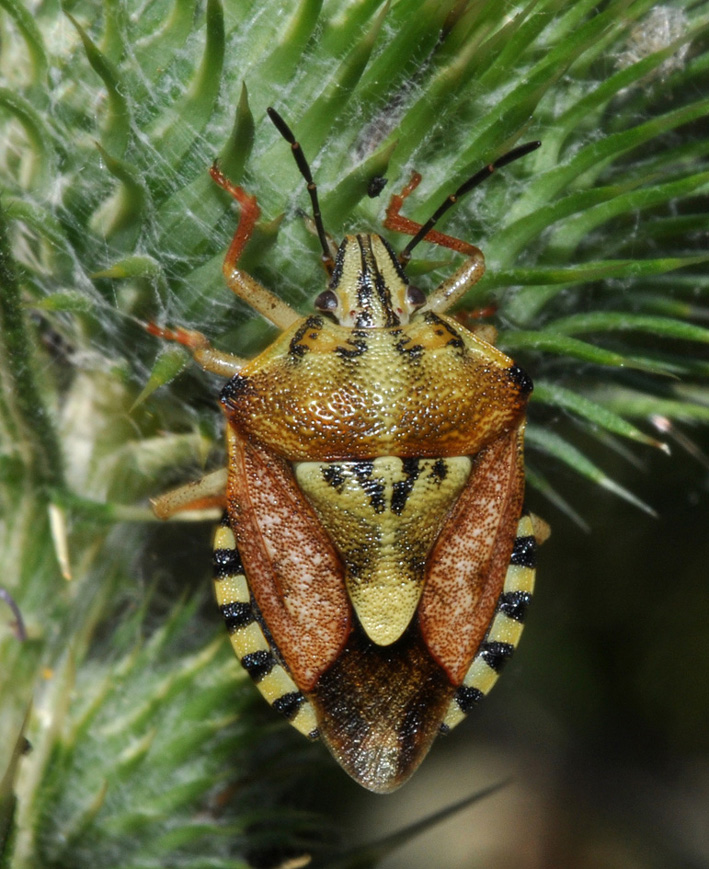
<point>496,654</point>
<point>258,664</point>
<point>226,562</point>
<point>439,470</point>
<point>514,604</point>
<point>333,476</point>
<point>289,704</point>
<point>372,487</point>
<point>524,552</point>
<point>237,615</point>
<point>467,697</point>
<point>402,488</point>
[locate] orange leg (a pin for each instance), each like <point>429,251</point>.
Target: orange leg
<point>465,277</point>
<point>209,493</point>
<point>249,214</point>
<point>240,282</point>
<point>471,320</point>
<point>206,356</point>
<point>398,223</point>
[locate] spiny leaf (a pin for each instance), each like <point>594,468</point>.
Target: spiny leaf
<point>559,396</point>
<point>177,129</point>
<point>33,39</point>
<point>159,46</point>
<point>556,446</point>
<point>123,211</point>
<point>602,321</point>
<point>116,129</point>
<point>560,344</point>
<point>594,156</point>
<point>644,405</point>
<point>370,855</point>
<point>40,158</point>
<point>570,234</point>
<point>167,366</point>
<point>332,102</point>
<point>238,148</point>
<point>539,482</point>
<point>595,271</point>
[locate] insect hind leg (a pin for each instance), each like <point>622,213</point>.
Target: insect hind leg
<point>253,647</point>
<point>505,630</point>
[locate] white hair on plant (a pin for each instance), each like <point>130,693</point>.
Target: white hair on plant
<point>663,26</point>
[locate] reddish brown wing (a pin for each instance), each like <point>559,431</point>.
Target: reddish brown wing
<point>293,571</point>
<point>466,569</point>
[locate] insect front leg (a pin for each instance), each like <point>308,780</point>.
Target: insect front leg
<point>206,356</point>
<point>240,282</point>
<point>457,285</point>
<point>469,273</point>
<point>398,223</point>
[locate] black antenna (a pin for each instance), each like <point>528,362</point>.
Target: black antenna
<point>302,163</point>
<point>464,188</point>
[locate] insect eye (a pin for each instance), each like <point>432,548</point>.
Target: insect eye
<point>326,301</point>
<point>415,296</point>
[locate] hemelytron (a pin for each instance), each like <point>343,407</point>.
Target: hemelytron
<point>374,563</point>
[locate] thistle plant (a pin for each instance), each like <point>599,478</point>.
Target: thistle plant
<point>128,733</point>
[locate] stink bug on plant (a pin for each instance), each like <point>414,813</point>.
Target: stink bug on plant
<point>374,563</point>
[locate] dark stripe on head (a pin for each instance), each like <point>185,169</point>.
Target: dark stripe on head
<point>384,293</point>
<point>524,552</point>
<point>289,704</point>
<point>258,664</point>
<point>496,655</point>
<point>336,276</point>
<point>394,260</point>
<point>514,604</point>
<point>226,562</point>
<point>467,697</point>
<point>372,281</point>
<point>237,615</point>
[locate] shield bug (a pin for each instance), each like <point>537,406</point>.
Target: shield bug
<point>374,563</point>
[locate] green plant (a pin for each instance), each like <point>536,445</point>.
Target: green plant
<point>146,747</point>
